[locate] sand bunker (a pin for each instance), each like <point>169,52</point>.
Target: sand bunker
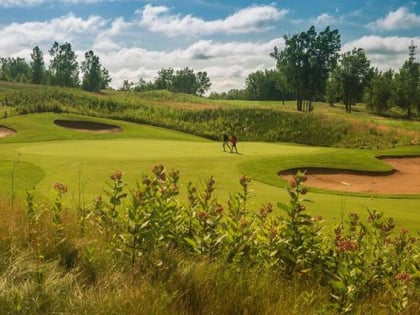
<point>5,132</point>
<point>405,179</point>
<point>88,126</point>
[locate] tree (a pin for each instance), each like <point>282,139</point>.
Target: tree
<point>127,86</point>
<point>92,72</point>
<point>408,88</point>
<point>381,91</point>
<point>264,85</point>
<point>306,62</point>
<point>353,73</point>
<point>333,90</point>
<point>143,85</point>
<point>164,79</point>
<point>203,83</point>
<point>15,70</point>
<point>37,66</point>
<point>105,79</point>
<point>185,81</point>
<point>63,66</point>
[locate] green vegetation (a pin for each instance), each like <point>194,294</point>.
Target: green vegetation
<point>140,250</point>
<point>181,236</point>
<point>209,120</point>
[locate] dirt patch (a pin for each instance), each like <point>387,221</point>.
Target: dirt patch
<point>88,126</point>
<point>5,132</point>
<point>404,179</point>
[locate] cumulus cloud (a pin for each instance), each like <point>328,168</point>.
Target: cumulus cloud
<point>401,18</point>
<point>383,52</point>
<point>30,3</point>
<point>227,64</point>
<point>17,36</point>
<point>248,20</point>
<point>324,20</point>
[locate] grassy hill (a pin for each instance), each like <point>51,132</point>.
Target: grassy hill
<point>249,120</point>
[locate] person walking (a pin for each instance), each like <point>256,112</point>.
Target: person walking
<point>233,141</point>
<point>225,141</point>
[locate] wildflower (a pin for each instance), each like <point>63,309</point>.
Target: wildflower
<point>98,198</point>
<point>163,190</point>
<point>293,183</point>
<point>158,169</point>
<point>263,212</point>
<point>203,216</point>
<point>304,191</point>
<point>116,176</point>
<point>403,277</point>
<point>60,188</point>
<point>269,207</point>
<point>139,196</point>
<point>219,209</point>
<point>147,181</point>
<point>347,246</point>
<point>404,230</point>
<point>244,180</point>
<point>273,233</point>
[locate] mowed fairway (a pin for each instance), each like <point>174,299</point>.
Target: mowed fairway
<point>85,165</point>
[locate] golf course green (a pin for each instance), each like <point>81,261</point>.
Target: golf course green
<point>42,153</point>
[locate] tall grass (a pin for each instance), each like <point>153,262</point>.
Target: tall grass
<point>253,121</point>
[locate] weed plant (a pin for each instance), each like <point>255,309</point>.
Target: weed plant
<point>143,251</point>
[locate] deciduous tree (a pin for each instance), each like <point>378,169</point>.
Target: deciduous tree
<point>306,62</point>
<point>63,66</point>
<point>92,72</point>
<point>353,73</point>
<point>37,66</point>
<point>203,83</point>
<point>408,88</point>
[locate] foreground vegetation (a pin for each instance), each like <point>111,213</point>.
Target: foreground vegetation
<point>140,250</point>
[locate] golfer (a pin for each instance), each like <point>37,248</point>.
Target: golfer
<point>225,141</point>
<point>233,140</point>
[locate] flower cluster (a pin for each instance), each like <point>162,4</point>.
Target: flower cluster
<point>116,176</point>
<point>60,188</point>
<point>403,277</point>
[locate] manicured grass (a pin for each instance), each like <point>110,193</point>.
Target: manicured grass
<point>85,163</point>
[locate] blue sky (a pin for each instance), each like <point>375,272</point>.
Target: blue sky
<point>228,39</point>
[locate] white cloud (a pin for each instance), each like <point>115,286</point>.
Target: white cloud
<point>16,37</point>
<point>20,3</point>
<point>227,64</point>
<point>324,20</point>
<point>31,3</point>
<point>401,18</point>
<point>251,19</point>
<point>104,41</point>
<point>383,52</point>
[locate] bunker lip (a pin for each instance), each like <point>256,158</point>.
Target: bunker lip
<point>403,179</point>
<point>5,131</point>
<point>87,126</point>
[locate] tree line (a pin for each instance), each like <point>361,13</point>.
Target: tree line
<point>63,70</point>
<point>182,80</point>
<point>310,68</point>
